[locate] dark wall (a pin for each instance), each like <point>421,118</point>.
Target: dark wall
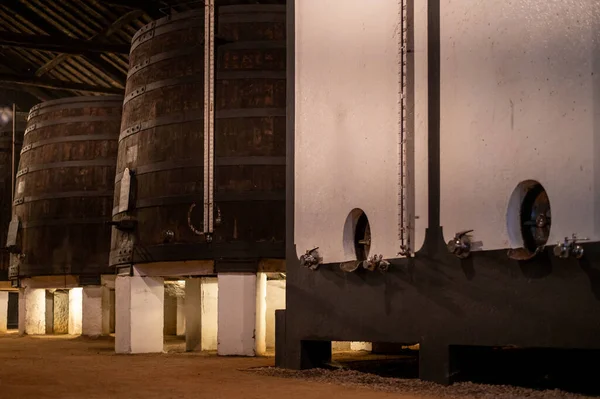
<point>13,310</point>
<point>23,100</point>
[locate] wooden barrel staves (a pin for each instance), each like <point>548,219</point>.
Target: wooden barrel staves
<point>159,187</point>
<point>250,124</point>
<point>6,170</point>
<point>64,187</point>
<point>160,163</point>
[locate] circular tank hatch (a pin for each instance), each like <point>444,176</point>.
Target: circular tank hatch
<point>362,237</point>
<point>529,217</point>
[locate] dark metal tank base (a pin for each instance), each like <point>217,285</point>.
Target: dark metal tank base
<point>440,301</point>
<point>434,298</point>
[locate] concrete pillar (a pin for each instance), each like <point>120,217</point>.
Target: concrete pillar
<point>260,326</point>
<point>237,314</point>
<point>201,315</point>
<point>32,311</point>
<point>92,311</point>
<point>361,346</point>
<point>193,314</point>
<point>106,310</point>
<point>108,304</point>
<point>210,313</point>
<point>75,311</point>
<point>58,306</point>
<point>275,301</point>
<point>139,314</point>
<point>180,316</point>
<point>3,311</point>
<point>170,310</point>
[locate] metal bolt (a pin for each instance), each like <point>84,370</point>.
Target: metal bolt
<point>460,245</point>
<point>168,235</point>
<point>577,251</point>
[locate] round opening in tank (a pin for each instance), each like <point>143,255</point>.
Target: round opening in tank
<point>529,216</point>
<point>357,235</point>
<point>362,237</point>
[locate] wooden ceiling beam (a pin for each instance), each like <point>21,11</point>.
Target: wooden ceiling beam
<point>150,7</point>
<point>60,44</point>
<point>115,27</point>
<point>55,84</point>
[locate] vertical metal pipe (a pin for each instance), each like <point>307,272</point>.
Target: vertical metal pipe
<point>290,140</point>
<point>406,190</point>
<point>209,35</point>
<point>433,102</point>
<point>13,166</point>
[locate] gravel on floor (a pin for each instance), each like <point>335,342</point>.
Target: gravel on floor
<point>463,390</point>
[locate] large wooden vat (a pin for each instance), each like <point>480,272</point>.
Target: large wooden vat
<point>250,124</point>
<point>64,186</point>
<point>161,164</point>
<point>6,170</point>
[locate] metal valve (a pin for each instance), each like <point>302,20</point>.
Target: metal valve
<point>569,247</point>
<point>404,251</point>
<point>168,236</point>
<point>376,262</point>
<point>311,259</point>
<point>460,245</point>
<point>218,219</point>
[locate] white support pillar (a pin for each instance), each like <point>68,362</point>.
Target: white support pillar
<point>3,311</point>
<point>201,315</point>
<point>275,301</point>
<point>260,329</point>
<point>237,314</point>
<point>180,316</point>
<point>210,313</point>
<point>92,311</point>
<point>32,311</point>
<point>75,310</point>
<point>193,314</point>
<point>361,346</point>
<point>139,314</point>
<point>106,310</point>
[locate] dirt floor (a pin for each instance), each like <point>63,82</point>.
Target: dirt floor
<point>74,367</point>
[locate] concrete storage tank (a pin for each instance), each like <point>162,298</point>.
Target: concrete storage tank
<point>161,195</point>
<point>6,166</point>
<point>499,166</point>
<point>64,187</point>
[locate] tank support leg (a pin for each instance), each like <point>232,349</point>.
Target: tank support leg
<point>201,316</point>
<point>75,310</point>
<point>3,311</point>
<point>435,362</point>
<point>32,310</point>
<point>296,354</point>
<point>92,303</point>
<point>238,309</point>
<point>139,314</point>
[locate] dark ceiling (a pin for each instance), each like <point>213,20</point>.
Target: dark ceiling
<point>60,48</point>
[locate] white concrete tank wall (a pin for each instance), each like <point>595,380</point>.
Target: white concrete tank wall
<point>347,126</point>
<point>520,92</point>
